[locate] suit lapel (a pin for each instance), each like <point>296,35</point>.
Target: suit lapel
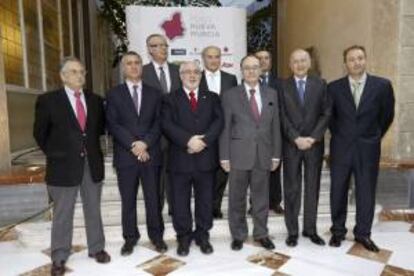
<point>309,90</point>
<point>265,103</point>
<point>365,93</point>
<point>245,102</point>
<point>65,102</point>
<point>129,102</point>
<point>155,78</point>
<point>293,91</point>
<point>89,108</point>
<point>201,101</point>
<point>184,101</point>
<point>348,93</point>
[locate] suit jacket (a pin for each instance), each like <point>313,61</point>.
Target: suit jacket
<point>58,134</point>
<point>150,77</point>
<point>274,82</point>
<point>180,123</point>
<point>310,119</point>
<point>242,138</point>
<point>126,125</point>
<point>227,81</point>
<point>360,130</point>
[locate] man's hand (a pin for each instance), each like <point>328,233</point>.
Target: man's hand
<point>225,164</point>
<point>138,147</point>
<point>303,143</point>
<point>310,140</point>
<point>275,164</point>
<point>143,157</point>
<point>196,144</point>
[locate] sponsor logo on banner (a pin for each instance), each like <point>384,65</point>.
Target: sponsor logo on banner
<point>173,27</point>
<point>178,52</point>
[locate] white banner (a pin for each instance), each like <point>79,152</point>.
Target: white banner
<point>189,30</point>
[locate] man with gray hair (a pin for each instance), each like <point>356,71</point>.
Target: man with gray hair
<point>67,127</point>
<point>192,120</point>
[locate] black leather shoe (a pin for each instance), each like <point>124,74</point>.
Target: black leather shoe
<point>314,238</point>
<point>183,249</point>
<point>236,245</point>
<point>292,240</point>
<point>58,268</point>
<point>205,247</point>
<point>335,241</point>
<point>160,246</point>
<point>266,243</point>
<point>128,248</point>
<point>217,214</point>
<point>101,257</point>
<point>278,210</point>
<point>368,244</point>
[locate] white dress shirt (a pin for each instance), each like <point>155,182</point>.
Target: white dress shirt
<point>72,99</point>
<point>361,81</point>
<point>187,92</point>
<point>166,71</point>
<point>256,95</point>
<point>130,85</point>
<point>297,79</point>
<point>213,80</point>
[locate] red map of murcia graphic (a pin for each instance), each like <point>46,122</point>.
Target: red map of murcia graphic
<point>173,28</point>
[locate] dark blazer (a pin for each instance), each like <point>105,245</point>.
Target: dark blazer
<point>311,118</point>
<point>179,124</point>
<point>126,126</point>
<point>58,134</point>
<point>150,77</point>
<point>274,82</point>
<point>227,81</point>
<point>360,129</point>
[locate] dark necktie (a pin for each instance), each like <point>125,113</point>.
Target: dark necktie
<point>264,79</point>
<point>301,91</point>
<point>135,97</point>
<point>163,80</point>
<point>253,105</point>
<point>193,101</point>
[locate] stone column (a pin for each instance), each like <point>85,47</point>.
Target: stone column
<point>4,119</point>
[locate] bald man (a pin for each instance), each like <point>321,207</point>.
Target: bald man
<point>216,80</point>
<point>306,110</point>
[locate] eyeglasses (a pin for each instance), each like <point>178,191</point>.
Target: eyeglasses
<point>189,72</point>
<point>161,45</point>
<point>76,72</point>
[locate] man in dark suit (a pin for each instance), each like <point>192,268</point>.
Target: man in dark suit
<point>216,80</point>
<point>67,127</point>
<point>133,115</point>
<point>250,147</point>
<point>192,121</point>
<point>163,76</point>
<point>267,78</point>
<point>306,110</point>
<point>363,110</point>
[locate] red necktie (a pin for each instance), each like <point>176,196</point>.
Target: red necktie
<point>80,111</point>
<point>193,101</point>
<point>253,105</point>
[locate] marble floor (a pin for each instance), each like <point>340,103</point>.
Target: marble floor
<point>395,238</point>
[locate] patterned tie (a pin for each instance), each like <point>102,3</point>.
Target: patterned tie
<point>163,80</point>
<point>253,106</point>
<point>301,90</point>
<point>80,111</point>
<point>193,101</point>
<point>356,92</point>
<point>135,97</point>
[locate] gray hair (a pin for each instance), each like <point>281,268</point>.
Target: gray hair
<point>185,63</point>
<point>66,60</point>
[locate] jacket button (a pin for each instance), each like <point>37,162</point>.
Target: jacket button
<point>84,134</point>
<point>82,154</point>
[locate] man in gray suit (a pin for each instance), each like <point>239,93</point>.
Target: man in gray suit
<point>163,76</point>
<point>250,147</point>
<point>306,110</point>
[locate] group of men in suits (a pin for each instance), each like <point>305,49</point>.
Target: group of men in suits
<point>181,131</point>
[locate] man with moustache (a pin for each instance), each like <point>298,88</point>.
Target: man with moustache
<point>163,76</point>
<point>363,110</point>
<point>267,78</point>
<point>133,114</point>
<point>67,127</point>
<point>192,120</point>
<point>250,147</point>
<point>306,110</point>
<point>216,80</point>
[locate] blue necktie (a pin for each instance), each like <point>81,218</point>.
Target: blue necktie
<point>301,90</point>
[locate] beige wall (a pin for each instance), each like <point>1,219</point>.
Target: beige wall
<point>331,26</point>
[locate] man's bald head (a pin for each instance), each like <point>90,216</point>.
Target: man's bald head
<point>300,62</point>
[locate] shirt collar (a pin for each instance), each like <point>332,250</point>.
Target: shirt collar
<point>157,65</point>
<point>210,73</point>
<point>71,92</point>
<point>297,79</point>
<point>362,80</point>
<point>187,91</point>
<point>131,84</point>
<point>248,87</point>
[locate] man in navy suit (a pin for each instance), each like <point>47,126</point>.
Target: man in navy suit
<point>216,80</point>
<point>267,78</point>
<point>363,110</point>
<point>133,115</point>
<point>192,120</point>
